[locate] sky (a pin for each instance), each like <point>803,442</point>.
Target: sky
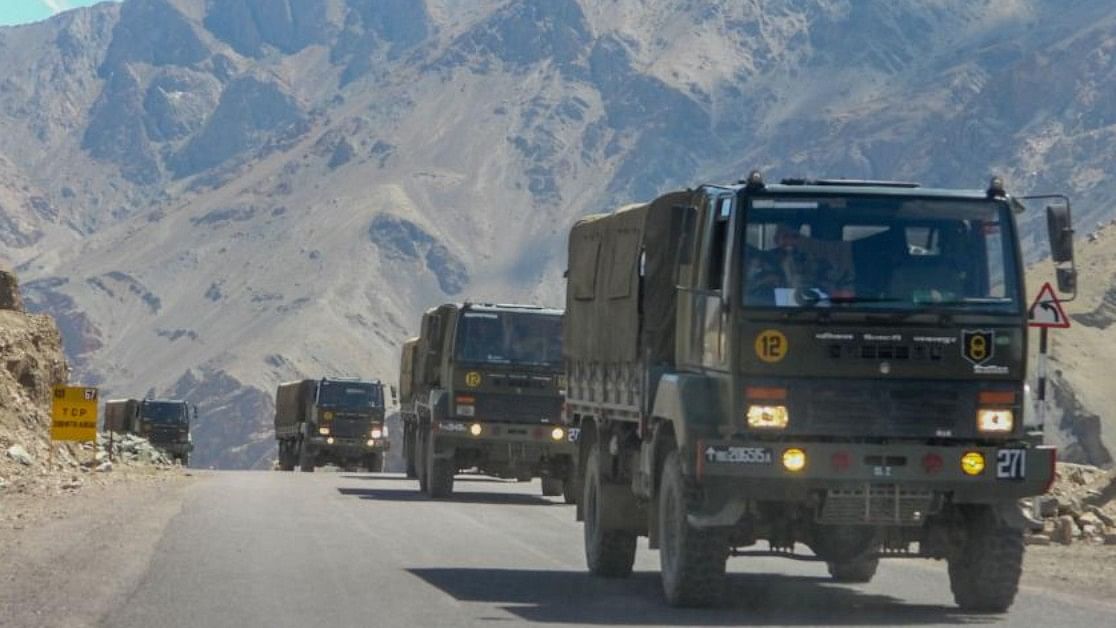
<point>24,11</point>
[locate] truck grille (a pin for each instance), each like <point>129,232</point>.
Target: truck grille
<point>885,409</point>
<point>877,504</point>
<point>526,408</point>
<point>349,427</point>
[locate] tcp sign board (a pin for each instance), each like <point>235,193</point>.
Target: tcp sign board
<point>74,413</point>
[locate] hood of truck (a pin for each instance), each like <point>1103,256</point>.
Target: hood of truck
<point>507,393</point>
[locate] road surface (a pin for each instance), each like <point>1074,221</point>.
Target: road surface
<point>336,549</point>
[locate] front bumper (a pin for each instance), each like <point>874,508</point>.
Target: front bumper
<point>349,447</point>
<point>531,436</point>
<point>754,470</point>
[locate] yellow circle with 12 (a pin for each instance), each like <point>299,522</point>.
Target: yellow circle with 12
<point>771,346</point>
<point>472,379</point>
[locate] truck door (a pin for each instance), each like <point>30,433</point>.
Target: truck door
<point>709,319</point>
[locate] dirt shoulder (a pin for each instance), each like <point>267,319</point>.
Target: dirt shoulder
<point>1083,569</point>
<point>70,555</point>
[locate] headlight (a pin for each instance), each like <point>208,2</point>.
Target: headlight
<point>972,463</point>
<point>995,421</point>
<point>376,433</point>
<point>323,430</point>
<point>794,459</point>
<point>329,441</point>
<point>475,429</point>
<point>768,417</point>
<point>557,433</point>
<point>371,442</point>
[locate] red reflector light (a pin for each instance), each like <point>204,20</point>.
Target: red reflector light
<point>841,461</point>
<point>997,397</point>
<point>465,399</point>
<point>765,394</point>
<point>932,463</point>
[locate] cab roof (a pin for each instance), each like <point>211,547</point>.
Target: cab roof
<point>511,307</point>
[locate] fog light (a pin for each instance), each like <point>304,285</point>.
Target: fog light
<point>972,463</point>
<point>324,431</point>
<point>475,429</point>
<point>376,432</point>
<point>329,441</point>
<point>327,415</point>
<point>768,417</point>
<point>371,443</point>
<point>995,421</point>
<point>794,459</point>
<point>557,433</point>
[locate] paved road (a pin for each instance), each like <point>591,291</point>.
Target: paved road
<point>334,549</point>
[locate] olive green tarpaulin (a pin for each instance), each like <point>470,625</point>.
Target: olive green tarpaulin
<point>620,293</point>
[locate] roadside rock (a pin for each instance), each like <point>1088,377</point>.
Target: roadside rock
<point>20,455</point>
<point>1064,529</point>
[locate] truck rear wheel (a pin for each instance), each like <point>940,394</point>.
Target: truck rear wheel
<point>984,573</point>
<point>409,433</point>
<point>305,458</point>
<point>692,560</point>
<point>551,487</point>
<point>859,571</point>
<point>609,553</point>
<point>286,457</point>
<point>421,467</point>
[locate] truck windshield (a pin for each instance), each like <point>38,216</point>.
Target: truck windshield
<point>165,412</point>
<point>350,395</point>
<point>509,338</point>
<point>880,253</point>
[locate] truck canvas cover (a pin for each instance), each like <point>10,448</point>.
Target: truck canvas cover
<point>621,294</point>
<point>290,398</point>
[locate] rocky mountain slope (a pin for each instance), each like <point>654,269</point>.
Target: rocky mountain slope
<point>216,195</point>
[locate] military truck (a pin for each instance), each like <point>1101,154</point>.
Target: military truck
<point>336,421</point>
<point>833,363</point>
<point>165,423</point>
<point>481,387</point>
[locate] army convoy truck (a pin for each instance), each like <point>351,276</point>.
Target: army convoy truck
<point>481,387</point>
<point>330,421</point>
<point>831,363</point>
<point>165,423</point>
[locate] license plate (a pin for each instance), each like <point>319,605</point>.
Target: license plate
<point>738,455</point>
<point>1011,464</point>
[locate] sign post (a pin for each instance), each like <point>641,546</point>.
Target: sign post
<point>73,416</point>
<point>1046,313</point>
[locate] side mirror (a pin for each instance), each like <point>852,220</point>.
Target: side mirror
<point>394,396</point>
<point>1059,226</point>
<point>1067,280</point>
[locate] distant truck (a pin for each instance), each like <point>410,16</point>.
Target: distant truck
<point>165,423</point>
<point>481,387</point>
<point>838,364</point>
<point>330,421</point>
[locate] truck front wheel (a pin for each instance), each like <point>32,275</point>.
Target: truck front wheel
<point>551,487</point>
<point>305,457</point>
<point>441,476</point>
<point>984,573</point>
<point>409,434</point>
<point>569,490</point>
<point>692,560</point>
<point>609,553</point>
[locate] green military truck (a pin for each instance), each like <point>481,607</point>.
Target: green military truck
<point>481,387</point>
<point>336,421</point>
<point>832,363</point>
<point>165,423</point>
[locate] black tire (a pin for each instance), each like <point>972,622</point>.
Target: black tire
<point>984,574</point>
<point>409,437</point>
<point>286,458</point>
<point>551,487</point>
<point>692,560</point>
<point>609,553</point>
<point>441,477</point>
<point>569,490</point>
<point>185,460</point>
<point>374,463</point>
<point>854,571</point>
<point>305,458</point>
<point>523,476</point>
<point>421,468</point>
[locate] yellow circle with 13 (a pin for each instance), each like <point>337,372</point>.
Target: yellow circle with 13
<point>771,346</point>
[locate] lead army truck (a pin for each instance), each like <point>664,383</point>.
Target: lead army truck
<point>165,423</point>
<point>330,421</point>
<point>833,363</point>
<point>482,387</point>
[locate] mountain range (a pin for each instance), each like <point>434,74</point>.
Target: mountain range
<point>212,196</point>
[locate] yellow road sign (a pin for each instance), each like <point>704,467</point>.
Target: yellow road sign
<point>74,413</point>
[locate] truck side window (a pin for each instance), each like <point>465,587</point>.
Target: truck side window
<point>718,242</point>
